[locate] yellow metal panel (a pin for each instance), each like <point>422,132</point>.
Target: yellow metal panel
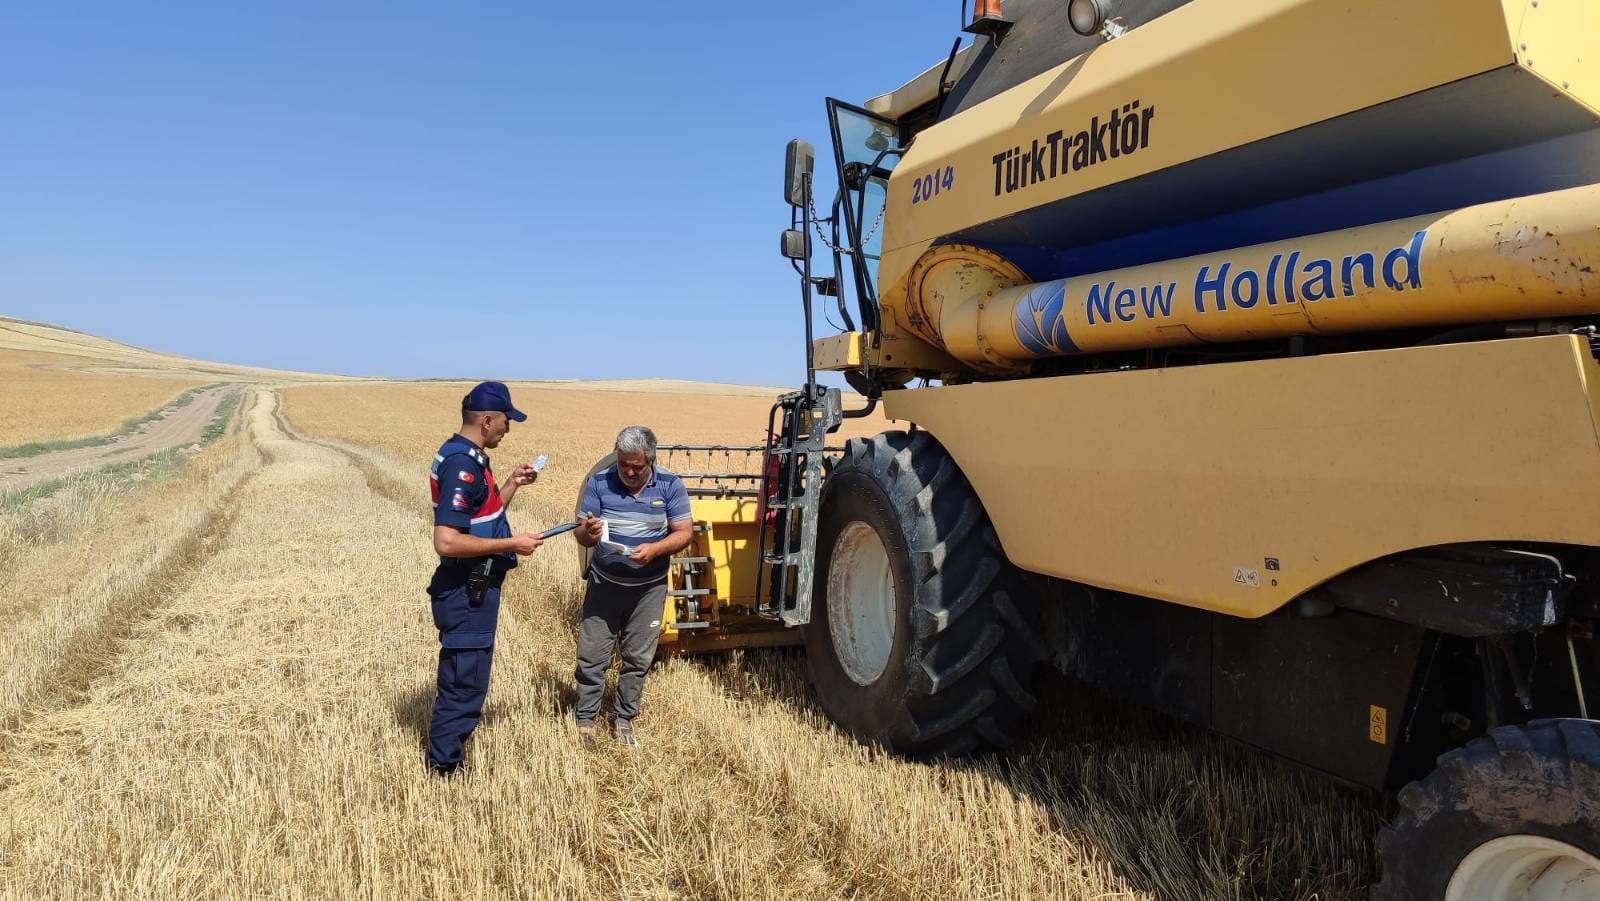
<point>1557,41</point>
<point>759,634</point>
<point>669,612</point>
<point>1513,11</point>
<point>733,546</point>
<point>726,530</point>
<point>1182,484</point>
<point>730,541</point>
<point>837,353</point>
<point>900,349</point>
<point>1211,76</point>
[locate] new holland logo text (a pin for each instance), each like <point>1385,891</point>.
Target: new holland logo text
<point>1125,131</point>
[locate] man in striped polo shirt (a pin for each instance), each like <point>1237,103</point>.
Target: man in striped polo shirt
<point>643,514</point>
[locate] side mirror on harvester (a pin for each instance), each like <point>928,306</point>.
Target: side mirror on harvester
<point>794,244</point>
<point>796,169</point>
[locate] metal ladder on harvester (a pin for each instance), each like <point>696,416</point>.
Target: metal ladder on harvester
<point>791,490</point>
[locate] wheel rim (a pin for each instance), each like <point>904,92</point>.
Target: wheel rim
<point>861,603</point>
<point>1525,867</point>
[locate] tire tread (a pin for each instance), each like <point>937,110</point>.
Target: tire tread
<point>970,686</point>
<point>1543,753</point>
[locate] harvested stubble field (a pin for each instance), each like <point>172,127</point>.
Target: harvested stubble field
<point>59,386</point>
<point>51,398</point>
<point>217,682</point>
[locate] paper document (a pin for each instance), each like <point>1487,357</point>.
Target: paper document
<point>605,539</point>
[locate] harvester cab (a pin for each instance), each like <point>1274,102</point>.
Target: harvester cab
<point>847,240</point>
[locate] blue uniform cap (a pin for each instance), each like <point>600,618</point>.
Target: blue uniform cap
<point>492,396</point>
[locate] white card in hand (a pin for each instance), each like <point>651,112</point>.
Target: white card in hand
<point>605,539</point>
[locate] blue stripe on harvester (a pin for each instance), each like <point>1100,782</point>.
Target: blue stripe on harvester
<point>1062,239</point>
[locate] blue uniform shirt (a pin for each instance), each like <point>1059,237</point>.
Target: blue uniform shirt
<point>465,496</point>
<point>633,521</point>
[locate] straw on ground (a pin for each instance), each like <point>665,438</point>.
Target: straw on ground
<point>236,708</point>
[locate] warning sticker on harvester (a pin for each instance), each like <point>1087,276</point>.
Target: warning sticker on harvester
<point>1378,724</point>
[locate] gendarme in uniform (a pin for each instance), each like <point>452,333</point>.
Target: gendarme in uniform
<point>465,498</point>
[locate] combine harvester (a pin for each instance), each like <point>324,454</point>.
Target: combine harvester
<point>1254,351</point>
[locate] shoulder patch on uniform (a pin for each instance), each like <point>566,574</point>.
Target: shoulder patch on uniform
<point>467,477</point>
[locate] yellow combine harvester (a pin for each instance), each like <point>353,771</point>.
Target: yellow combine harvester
<point>1254,353</point>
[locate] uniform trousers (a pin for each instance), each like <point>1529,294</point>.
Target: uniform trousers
<point>466,652</point>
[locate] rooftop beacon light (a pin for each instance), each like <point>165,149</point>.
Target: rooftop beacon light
<point>1091,17</point>
<point>987,19</point>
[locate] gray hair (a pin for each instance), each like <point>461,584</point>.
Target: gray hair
<point>636,439</point>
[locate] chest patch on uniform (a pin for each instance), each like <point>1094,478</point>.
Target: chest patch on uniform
<point>658,503</point>
<point>465,476</point>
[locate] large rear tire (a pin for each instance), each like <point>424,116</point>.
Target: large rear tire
<point>918,640</point>
<point>1513,815</point>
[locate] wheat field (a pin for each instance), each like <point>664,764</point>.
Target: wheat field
<point>217,678</point>
<point>55,397</point>
<point>574,427</point>
<point>102,356</point>
<point>59,386</point>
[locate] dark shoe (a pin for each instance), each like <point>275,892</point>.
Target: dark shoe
<point>447,770</point>
<point>586,736</point>
<point>622,734</point>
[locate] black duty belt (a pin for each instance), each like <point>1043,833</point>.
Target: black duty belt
<point>463,564</point>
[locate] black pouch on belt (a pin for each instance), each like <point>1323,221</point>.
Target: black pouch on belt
<point>478,581</point>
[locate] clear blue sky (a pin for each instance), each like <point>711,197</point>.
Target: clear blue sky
<point>428,189</point>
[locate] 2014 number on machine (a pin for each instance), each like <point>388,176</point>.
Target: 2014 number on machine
<point>931,185</point>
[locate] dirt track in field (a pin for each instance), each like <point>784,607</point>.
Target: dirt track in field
<point>177,427</point>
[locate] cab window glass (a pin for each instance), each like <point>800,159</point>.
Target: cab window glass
<point>861,140</point>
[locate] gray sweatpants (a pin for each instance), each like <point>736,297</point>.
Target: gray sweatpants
<point>634,611</point>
